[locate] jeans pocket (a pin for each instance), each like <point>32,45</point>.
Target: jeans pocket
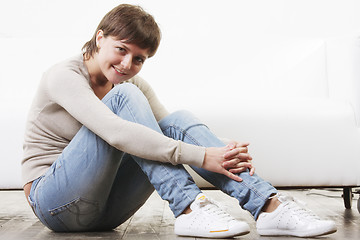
<point>77,215</point>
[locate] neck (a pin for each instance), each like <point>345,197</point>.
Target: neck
<point>100,85</point>
<point>101,91</point>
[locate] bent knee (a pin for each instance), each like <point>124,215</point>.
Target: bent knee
<point>128,89</point>
<point>183,114</point>
<point>182,118</point>
<point>125,93</point>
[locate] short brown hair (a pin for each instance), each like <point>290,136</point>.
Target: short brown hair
<point>130,23</point>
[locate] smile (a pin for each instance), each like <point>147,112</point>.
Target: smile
<point>119,71</point>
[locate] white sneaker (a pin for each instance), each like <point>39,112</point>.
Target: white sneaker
<point>292,219</point>
<point>207,219</point>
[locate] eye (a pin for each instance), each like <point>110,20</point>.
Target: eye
<point>139,60</point>
<point>120,49</point>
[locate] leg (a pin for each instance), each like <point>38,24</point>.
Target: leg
<point>252,193</point>
<point>129,192</point>
<point>173,183</point>
<point>79,188</point>
<point>73,192</point>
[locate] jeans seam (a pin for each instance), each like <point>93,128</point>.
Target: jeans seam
<point>122,97</point>
<point>43,218</point>
<point>185,132</point>
<point>249,186</point>
<point>125,104</point>
<point>177,183</point>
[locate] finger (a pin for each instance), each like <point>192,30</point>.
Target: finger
<point>239,161</point>
<point>235,163</point>
<point>237,170</point>
<point>231,145</point>
<point>232,176</point>
<point>232,153</point>
<point>252,171</point>
<point>243,169</point>
<point>230,163</point>
<point>236,151</point>
<point>243,149</point>
<point>244,156</point>
<point>242,165</point>
<point>241,157</point>
<point>242,144</point>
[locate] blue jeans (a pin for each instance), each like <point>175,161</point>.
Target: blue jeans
<point>93,186</point>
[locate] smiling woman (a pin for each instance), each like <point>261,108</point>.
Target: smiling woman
<point>129,24</point>
<point>98,142</point>
<point>124,39</point>
<point>115,62</point>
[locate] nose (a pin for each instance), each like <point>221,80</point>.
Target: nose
<point>126,62</point>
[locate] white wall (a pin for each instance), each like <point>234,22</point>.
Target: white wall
<point>210,49</point>
<point>204,42</point>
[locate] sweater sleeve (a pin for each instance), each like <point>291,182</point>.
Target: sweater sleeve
<point>72,92</point>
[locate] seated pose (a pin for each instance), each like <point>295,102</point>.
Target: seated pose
<point>98,142</point>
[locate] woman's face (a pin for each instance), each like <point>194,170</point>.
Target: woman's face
<point>117,60</point>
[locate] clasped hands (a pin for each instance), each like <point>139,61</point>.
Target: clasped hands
<point>229,160</point>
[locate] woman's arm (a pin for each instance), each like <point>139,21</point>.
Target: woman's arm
<point>72,92</point>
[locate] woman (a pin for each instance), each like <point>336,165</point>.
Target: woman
<point>98,142</point>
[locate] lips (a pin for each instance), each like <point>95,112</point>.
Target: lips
<point>119,71</point>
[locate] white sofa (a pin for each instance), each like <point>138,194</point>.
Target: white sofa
<point>295,99</point>
<point>308,140</point>
<point>299,141</point>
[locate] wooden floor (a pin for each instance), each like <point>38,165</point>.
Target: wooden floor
<point>155,220</point>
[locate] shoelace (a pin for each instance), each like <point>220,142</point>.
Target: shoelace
<point>298,207</point>
<point>214,208</point>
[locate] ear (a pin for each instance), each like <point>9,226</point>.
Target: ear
<point>99,37</point>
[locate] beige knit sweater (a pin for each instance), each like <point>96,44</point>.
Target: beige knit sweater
<point>65,101</point>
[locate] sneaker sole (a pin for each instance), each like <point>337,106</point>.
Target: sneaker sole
<point>214,235</point>
<point>292,233</point>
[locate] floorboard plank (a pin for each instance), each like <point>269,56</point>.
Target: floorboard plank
<point>155,220</point>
